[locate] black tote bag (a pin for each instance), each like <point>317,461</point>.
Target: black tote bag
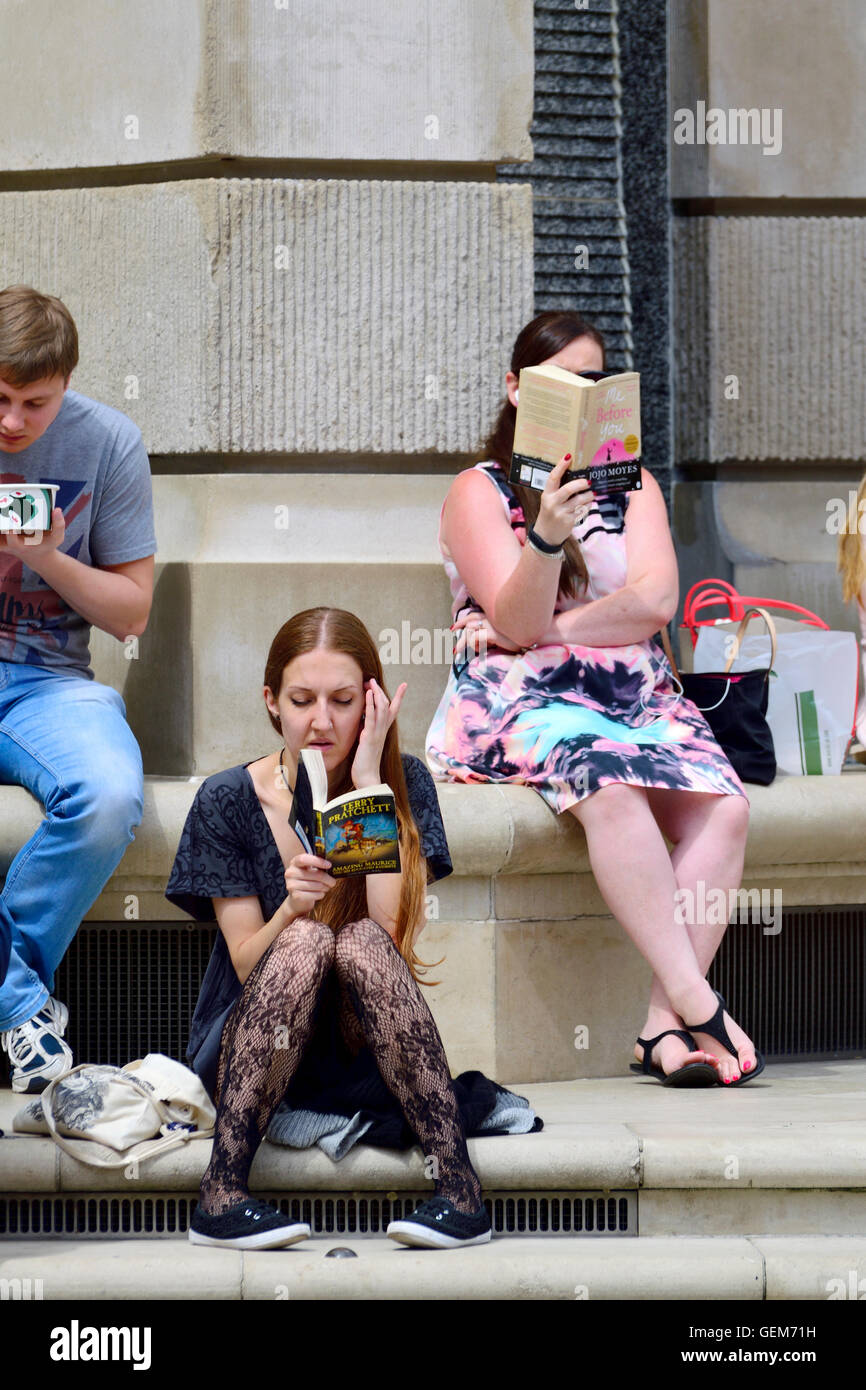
<point>734,704</point>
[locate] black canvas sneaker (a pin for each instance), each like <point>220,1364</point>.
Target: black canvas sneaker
<point>250,1225</point>
<point>436,1225</point>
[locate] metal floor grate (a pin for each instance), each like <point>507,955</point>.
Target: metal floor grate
<point>338,1214</point>
<point>132,989</point>
<point>801,993</point>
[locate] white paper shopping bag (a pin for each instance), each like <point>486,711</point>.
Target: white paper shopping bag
<point>813,691</point>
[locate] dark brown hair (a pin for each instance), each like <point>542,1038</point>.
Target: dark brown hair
<point>38,337</point>
<point>338,631</point>
<point>545,336</point>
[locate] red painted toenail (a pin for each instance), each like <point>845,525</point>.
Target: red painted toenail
<point>747,1066</point>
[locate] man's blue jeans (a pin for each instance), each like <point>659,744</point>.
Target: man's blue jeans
<point>65,739</point>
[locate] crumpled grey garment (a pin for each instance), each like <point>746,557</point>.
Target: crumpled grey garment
<point>336,1135</point>
<point>300,1129</point>
<point>512,1113</point>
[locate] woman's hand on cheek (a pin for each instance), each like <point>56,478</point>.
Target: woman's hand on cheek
<point>379,715</point>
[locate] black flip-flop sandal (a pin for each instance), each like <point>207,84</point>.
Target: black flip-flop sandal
<point>693,1074</point>
<point>716,1029</point>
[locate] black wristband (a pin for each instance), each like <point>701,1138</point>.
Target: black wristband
<point>545,546</point>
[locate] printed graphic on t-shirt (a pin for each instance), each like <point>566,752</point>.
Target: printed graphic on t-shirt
<point>34,619</point>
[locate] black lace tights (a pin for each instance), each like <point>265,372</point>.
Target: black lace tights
<point>381,1006</point>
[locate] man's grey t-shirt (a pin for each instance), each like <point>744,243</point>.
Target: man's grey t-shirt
<point>96,457</point>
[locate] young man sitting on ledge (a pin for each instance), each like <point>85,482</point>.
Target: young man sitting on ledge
<point>63,736</point>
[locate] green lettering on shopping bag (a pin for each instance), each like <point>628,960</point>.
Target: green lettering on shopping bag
<point>807,729</point>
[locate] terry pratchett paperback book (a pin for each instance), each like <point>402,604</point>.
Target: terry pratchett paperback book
<point>597,422</point>
<point>356,832</point>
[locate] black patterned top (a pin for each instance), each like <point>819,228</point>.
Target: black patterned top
<point>227,850</point>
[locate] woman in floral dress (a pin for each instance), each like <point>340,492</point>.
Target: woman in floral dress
<point>559,685</point>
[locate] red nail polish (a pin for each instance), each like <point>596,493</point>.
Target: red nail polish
<point>747,1066</point>
<point>568,456</point>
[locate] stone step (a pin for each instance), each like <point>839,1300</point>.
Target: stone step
<point>785,1155</point>
<point>660,1267</point>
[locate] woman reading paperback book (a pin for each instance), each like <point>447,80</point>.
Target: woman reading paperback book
<point>310,1015</point>
<point>557,684</point>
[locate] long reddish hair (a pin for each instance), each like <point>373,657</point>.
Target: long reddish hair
<point>851,559</point>
<point>338,631</point>
<point>545,336</point>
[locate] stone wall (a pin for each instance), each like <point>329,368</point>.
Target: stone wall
<point>119,84</point>
<point>770,290</point>
<point>280,231</point>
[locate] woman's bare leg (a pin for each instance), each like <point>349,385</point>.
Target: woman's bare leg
<point>640,893</point>
<point>709,838</point>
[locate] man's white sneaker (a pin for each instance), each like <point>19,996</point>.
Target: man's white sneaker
<point>36,1050</point>
<point>58,1014</point>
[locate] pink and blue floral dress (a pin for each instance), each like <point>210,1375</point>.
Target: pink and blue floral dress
<point>566,719</point>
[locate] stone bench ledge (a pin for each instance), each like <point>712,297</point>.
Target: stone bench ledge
<point>619,1133</point>
<point>504,829</point>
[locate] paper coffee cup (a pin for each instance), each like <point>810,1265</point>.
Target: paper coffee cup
<point>27,508</point>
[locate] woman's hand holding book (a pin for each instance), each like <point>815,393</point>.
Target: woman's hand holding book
<point>561,504</point>
<point>307,882</point>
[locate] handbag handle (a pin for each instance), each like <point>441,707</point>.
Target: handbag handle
<point>721,591</point>
<point>707,593</point>
<point>738,637</point>
<point>736,610</point>
<point>168,1141</point>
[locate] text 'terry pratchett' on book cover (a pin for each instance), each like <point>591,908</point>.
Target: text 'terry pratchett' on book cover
<point>360,835</point>
<point>355,832</point>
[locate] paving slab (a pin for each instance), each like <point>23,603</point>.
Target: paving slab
<point>567,1157</point>
<point>506,1268</point>
<point>28,1164</point>
<point>800,1268</point>
<point>796,1153</point>
<point>123,1269</point>
<point>831,1091</point>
